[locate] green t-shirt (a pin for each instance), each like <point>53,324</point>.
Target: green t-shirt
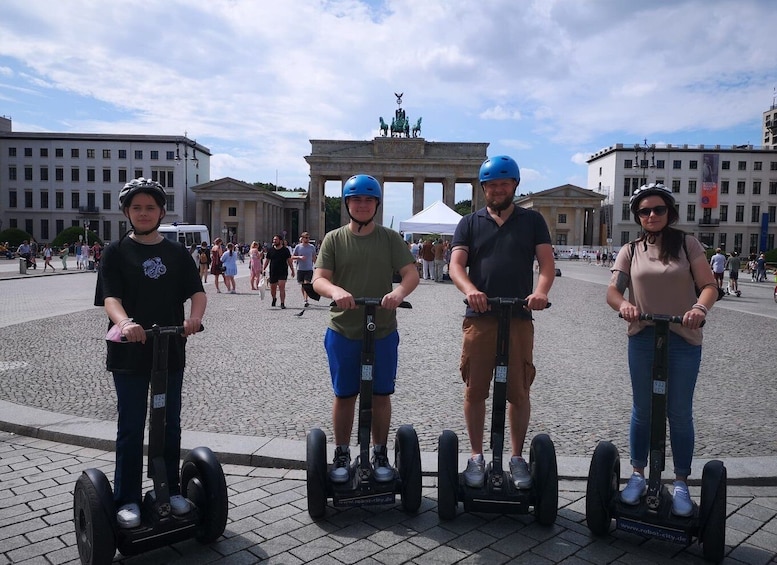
<point>364,266</point>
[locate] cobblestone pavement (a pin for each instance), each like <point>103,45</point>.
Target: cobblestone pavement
<point>262,371</point>
<point>268,522</point>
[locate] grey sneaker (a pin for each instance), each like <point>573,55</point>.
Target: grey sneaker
<point>128,516</point>
<point>179,505</point>
<point>341,472</point>
<point>475,473</point>
<point>520,473</point>
<point>681,500</point>
<point>635,489</point>
<point>381,469</point>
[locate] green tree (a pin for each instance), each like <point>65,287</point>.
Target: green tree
<point>70,235</point>
<point>14,237</point>
<point>331,213</point>
<point>463,207</point>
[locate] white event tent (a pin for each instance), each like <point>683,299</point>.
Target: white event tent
<point>435,218</point>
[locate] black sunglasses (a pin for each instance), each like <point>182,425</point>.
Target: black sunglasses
<point>657,210</point>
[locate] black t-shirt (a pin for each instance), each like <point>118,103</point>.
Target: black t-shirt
<point>278,261</point>
<point>153,282</point>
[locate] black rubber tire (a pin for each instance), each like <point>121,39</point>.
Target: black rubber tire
<point>447,475</point>
<point>542,462</point>
<point>203,482</point>
<point>712,514</point>
<point>94,530</point>
<point>603,480</point>
<point>407,458</point>
<point>316,473</point>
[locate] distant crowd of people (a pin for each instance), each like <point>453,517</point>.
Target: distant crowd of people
<point>87,256</point>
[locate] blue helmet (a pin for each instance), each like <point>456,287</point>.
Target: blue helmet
<point>362,185</point>
<point>499,167</point>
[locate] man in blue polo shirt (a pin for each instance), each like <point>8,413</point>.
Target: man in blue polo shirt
<point>499,244</point>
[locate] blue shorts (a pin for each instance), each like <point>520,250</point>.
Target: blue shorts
<point>345,359</point>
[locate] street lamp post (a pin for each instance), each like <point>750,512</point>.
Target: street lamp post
<point>641,162</point>
<point>187,143</point>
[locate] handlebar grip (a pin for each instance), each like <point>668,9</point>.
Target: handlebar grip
<point>506,301</point>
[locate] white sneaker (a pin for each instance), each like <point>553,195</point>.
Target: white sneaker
<point>128,516</point>
<point>681,500</point>
<point>475,473</point>
<point>179,505</point>
<point>635,489</point>
<point>519,471</point>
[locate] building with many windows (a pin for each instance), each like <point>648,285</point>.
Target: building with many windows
<point>52,181</point>
<point>737,211</point>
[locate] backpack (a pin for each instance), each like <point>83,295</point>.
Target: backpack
<point>204,257</point>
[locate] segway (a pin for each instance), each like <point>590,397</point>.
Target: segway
<point>498,493</point>
<point>202,483</point>
<point>362,489</point>
<point>652,516</point>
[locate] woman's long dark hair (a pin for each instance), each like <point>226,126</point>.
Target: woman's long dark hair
<point>671,238</point>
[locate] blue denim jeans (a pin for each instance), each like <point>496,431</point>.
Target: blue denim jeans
<point>132,394</point>
<point>684,360</point>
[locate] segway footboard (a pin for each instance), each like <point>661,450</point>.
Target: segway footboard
<point>369,492</point>
<point>504,500</point>
<point>660,524</point>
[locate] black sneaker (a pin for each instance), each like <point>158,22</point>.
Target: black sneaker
<point>380,466</point>
<point>306,304</point>
<point>283,306</point>
<point>340,472</point>
<point>273,302</point>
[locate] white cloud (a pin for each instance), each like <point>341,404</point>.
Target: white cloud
<point>500,113</point>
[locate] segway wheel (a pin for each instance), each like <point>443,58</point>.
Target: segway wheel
<point>407,457</point>
<point>712,514</point>
<point>203,482</point>
<point>542,462</point>
<point>447,475</point>
<point>94,527</point>
<point>603,479</point>
<point>316,472</point>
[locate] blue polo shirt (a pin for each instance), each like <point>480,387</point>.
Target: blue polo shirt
<point>501,258</point>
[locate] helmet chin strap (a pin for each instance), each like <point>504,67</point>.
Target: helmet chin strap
<point>137,232</point>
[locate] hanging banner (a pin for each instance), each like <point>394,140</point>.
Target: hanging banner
<point>709,181</point>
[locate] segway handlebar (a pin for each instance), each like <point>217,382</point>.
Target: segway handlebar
<point>363,301</point>
<point>506,301</point>
<point>661,318</point>
<point>163,330</point>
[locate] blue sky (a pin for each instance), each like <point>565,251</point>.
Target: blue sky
<point>547,81</point>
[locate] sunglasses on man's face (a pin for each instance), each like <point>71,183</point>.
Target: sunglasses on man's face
<point>657,210</point>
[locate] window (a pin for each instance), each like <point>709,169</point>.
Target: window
<point>106,153</point>
<point>738,242</point>
<point>724,212</point>
<point>740,187</point>
<point>74,153</point>
<point>170,203</point>
<point>722,241</point>
<point>75,174</point>
<point>725,165</point>
<point>693,165</point>
<point>106,230</point>
<point>155,155</point>
<point>626,186</point>
<point>707,238</point>
<point>12,201</point>
<point>772,187</point>
<point>772,213</point>
<point>625,212</point>
<point>660,164</point>
<point>60,225</point>
<point>122,227</point>
<point>59,174</point>
<point>27,173</point>
<point>165,178</point>
<point>138,173</point>
<point>624,237</point>
<point>59,152</point>
<point>628,164</point>
<point>740,213</point>
<point>90,153</point>
<point>232,211</point>
<point>28,151</point>
<point>12,223</point>
<point>106,201</point>
<point>755,214</point>
<point>122,175</point>
<point>773,165</point>
<point>170,156</point>
<point>90,175</point>
<point>44,173</point>
<point>44,199</point>
<point>91,201</point>
<point>12,151</point>
<point>758,166</point>
<point>742,165</point>
<point>44,151</point>
<point>756,187</point>
<point>753,242</point>
<point>562,218</point>
<point>28,226</point>
<point>561,239</point>
<point>691,187</point>
<point>675,186</point>
<point>106,175</point>
<point>138,153</point>
<point>59,201</point>
<point>691,217</point>
<point>75,200</point>
<point>11,173</point>
<point>677,164</point>
<point>724,187</point>
<point>122,153</point>
<point>44,229</point>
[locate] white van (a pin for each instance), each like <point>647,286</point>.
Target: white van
<point>187,234</point>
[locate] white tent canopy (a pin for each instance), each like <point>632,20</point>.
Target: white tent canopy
<point>435,218</point>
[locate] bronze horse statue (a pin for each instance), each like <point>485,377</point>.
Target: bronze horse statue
<point>383,127</point>
<point>417,128</point>
<point>399,125</point>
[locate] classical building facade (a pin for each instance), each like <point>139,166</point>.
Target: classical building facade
<point>573,215</point>
<point>393,159</point>
<point>52,181</point>
<point>741,215</point>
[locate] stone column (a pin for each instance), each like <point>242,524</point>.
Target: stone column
<point>418,194</point>
<point>478,198</point>
<point>241,221</point>
<point>379,211</point>
<point>316,203</point>
<point>449,191</point>
<point>217,222</point>
<point>344,217</point>
<point>579,227</point>
<point>199,212</point>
